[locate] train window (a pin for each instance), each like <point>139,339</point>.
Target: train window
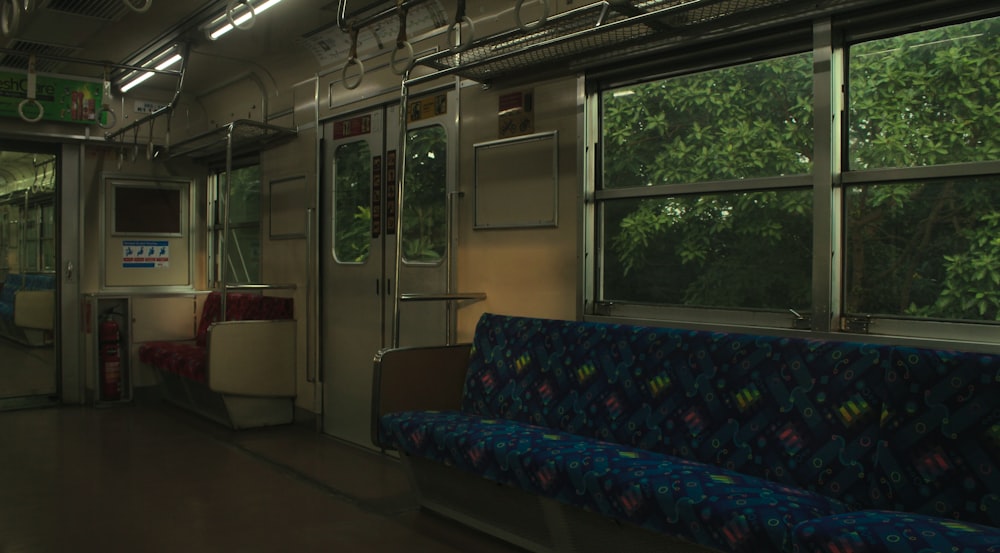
<point>32,240</point>
<point>352,213</point>
<point>923,209</point>
<point>681,225</point>
<point>424,209</point>
<point>39,238</point>
<point>243,241</point>
<point>48,237</point>
<point>706,187</point>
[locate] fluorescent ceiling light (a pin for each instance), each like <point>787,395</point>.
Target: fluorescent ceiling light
<point>136,78</point>
<point>221,25</point>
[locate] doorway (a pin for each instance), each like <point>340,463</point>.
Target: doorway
<point>359,247</point>
<point>29,257</point>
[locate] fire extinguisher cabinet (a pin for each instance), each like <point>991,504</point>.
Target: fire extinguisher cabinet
<point>110,326</point>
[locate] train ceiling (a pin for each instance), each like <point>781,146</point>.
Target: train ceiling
<point>79,37</point>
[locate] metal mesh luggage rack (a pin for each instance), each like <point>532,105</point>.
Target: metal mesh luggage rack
<point>235,139</point>
<point>614,31</point>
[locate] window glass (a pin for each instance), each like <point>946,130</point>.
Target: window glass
<point>926,98</point>
<point>924,249</point>
<point>424,209</point>
<point>715,247</point>
<point>32,240</point>
<point>48,238</point>
<point>243,249</point>
<point>352,214</point>
<point>244,195</point>
<point>243,256</point>
<point>740,122</point>
<point>745,250</point>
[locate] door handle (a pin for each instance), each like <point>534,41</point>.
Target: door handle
<point>69,271</point>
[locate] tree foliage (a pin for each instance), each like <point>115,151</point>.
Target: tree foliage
<point>925,249</point>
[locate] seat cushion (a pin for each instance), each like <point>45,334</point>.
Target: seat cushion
<point>701,503</point>
<point>189,360</point>
<point>939,453</point>
<point>893,532</point>
<point>797,411</point>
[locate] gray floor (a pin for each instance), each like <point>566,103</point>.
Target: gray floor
<point>25,370</point>
<point>151,478</point>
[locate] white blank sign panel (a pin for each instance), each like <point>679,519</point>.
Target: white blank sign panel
<point>517,182</point>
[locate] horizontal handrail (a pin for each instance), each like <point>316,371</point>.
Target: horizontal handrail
<point>261,287</point>
<point>478,296</point>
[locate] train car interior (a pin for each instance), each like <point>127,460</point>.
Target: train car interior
<point>520,275</point>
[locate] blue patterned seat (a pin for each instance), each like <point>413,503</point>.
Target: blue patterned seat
<point>938,464</point>
<point>729,441</point>
<point>14,283</point>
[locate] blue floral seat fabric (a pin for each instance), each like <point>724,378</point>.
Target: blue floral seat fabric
<point>893,532</point>
<point>767,431</point>
<point>17,282</point>
<point>708,505</point>
<point>940,448</point>
<point>800,412</point>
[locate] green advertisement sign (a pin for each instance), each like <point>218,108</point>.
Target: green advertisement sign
<point>65,100</point>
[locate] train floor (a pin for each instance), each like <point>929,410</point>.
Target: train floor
<point>150,478</point>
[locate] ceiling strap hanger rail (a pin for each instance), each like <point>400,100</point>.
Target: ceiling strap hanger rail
<point>347,21</point>
<point>455,30</point>
<point>399,66</point>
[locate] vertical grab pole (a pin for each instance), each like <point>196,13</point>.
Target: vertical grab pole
<point>225,223</point>
<point>400,192</point>
<point>310,344</point>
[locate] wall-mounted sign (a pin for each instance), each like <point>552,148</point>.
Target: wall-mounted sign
<point>376,196</point>
<point>426,108</point>
<point>65,100</point>
<point>516,114</point>
<point>145,254</point>
<point>390,192</point>
<point>354,126</point>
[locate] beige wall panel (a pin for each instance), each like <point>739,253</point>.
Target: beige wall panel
<point>531,271</point>
<point>285,257</point>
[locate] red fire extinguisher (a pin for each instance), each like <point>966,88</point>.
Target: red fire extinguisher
<point>110,373</point>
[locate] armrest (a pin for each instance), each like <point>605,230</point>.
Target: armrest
<point>35,309</point>
<point>252,358</point>
<point>418,378</point>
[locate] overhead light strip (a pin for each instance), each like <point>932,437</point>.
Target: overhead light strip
<point>163,61</point>
<point>224,23</point>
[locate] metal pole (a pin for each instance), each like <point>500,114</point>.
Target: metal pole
<point>400,192</point>
<point>225,221</point>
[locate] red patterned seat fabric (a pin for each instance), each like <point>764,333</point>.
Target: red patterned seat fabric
<point>191,360</point>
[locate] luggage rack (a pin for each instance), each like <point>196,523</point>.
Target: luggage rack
<point>232,139</point>
<point>614,31</point>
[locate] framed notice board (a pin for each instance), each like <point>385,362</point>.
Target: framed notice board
<point>517,182</point>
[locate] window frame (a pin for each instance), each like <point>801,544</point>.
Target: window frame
<point>829,180</point>
<point>216,226</point>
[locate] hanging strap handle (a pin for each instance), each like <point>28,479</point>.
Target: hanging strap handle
<point>401,65</point>
<point>456,29</point>
<point>31,94</point>
<point>537,24</point>
<point>352,59</point>
<point>106,118</point>
<point>10,17</point>
<point>231,9</point>
<point>139,8</point>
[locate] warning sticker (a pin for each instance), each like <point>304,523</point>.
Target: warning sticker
<point>145,254</point>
